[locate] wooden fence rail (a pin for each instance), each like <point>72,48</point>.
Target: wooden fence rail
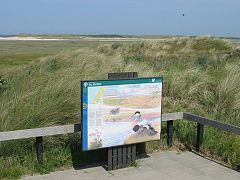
<point>212,123</point>
<point>39,133</point>
<point>63,129</point>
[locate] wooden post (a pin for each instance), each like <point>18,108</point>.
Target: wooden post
<point>133,158</point>
<point>124,156</point>
<point>129,155</point>
<point>39,149</point>
<point>115,157</point>
<point>169,133</point>
<point>200,131</point>
<point>121,156</point>
<point>110,155</point>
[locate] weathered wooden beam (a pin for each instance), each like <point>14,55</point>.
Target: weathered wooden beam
<point>200,131</point>
<point>110,159</point>
<point>39,149</point>
<point>64,129</point>
<point>134,152</point>
<point>212,123</point>
<point>120,155</point>
<point>72,128</point>
<point>172,116</point>
<point>125,75</point>
<point>170,133</point>
<point>124,156</point>
<point>37,132</point>
<point>129,155</point>
<point>115,157</point>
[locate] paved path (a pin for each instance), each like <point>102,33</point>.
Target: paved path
<point>167,165</point>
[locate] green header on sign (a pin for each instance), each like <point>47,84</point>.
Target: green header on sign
<point>93,83</point>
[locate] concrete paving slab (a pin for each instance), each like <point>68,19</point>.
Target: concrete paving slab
<point>165,165</point>
<point>213,168</point>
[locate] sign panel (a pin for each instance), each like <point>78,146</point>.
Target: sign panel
<point>119,112</point>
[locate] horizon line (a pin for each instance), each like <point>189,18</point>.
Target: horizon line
<point>114,34</point>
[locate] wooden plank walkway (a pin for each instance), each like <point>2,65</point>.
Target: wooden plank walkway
<point>166,165</point>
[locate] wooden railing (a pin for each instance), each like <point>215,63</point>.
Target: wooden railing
<point>39,133</point>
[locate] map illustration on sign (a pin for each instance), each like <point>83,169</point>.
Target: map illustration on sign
<point>119,112</point>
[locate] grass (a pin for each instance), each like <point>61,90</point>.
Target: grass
<point>14,166</point>
<point>17,53</point>
<point>218,145</point>
<point>201,75</point>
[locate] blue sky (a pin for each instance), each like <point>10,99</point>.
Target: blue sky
<point>136,17</point>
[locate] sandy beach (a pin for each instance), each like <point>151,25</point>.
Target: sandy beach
<point>15,38</point>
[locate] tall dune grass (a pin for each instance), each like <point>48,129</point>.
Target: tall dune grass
<point>201,75</point>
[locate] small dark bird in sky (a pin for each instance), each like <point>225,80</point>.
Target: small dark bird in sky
<point>183,14</point>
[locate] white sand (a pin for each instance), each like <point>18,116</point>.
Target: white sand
<point>15,38</point>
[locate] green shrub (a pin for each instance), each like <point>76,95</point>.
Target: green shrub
<point>3,85</point>
<point>116,45</point>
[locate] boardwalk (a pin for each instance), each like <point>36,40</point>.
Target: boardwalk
<point>167,165</point>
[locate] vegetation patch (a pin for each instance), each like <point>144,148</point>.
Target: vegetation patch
<point>201,76</point>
